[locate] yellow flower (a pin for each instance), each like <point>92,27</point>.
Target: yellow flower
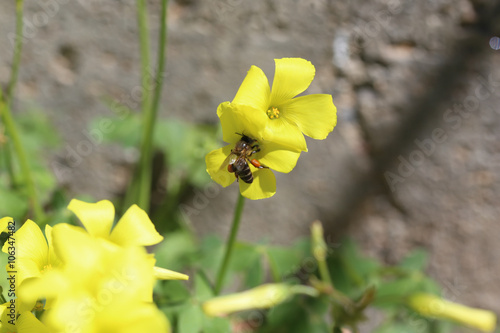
<point>262,297</point>
<point>34,256</point>
<point>99,287</point>
<point>288,116</point>
<point>434,306</point>
<point>25,322</point>
<point>134,228</point>
<point>238,120</point>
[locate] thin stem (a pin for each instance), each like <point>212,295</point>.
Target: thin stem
<point>324,273</point>
<point>230,243</point>
<point>145,172</point>
<point>151,99</point>
<point>10,126</point>
<point>13,133</point>
<point>16,58</point>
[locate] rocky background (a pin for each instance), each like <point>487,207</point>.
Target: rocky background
<point>413,162</point>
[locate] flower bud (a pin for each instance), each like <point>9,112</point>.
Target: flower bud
<point>261,297</point>
<point>434,306</point>
<point>318,242</point>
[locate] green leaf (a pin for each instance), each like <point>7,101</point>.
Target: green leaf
<point>286,261</point>
<point>211,252</point>
<point>300,314</point>
<point>202,287</point>
<point>175,249</point>
<point>174,291</point>
<point>12,204</point>
<point>393,293</point>
<point>215,325</point>
<point>190,319</point>
<point>416,260</point>
<point>255,274</point>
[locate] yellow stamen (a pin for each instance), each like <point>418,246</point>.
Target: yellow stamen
<point>273,113</point>
<point>46,268</point>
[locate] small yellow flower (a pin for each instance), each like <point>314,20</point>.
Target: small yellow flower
<point>24,322</point>
<point>239,120</point>
<point>134,227</point>
<point>434,306</point>
<point>34,256</point>
<point>99,287</point>
<point>286,115</point>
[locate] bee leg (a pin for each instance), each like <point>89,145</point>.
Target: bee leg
<point>257,164</point>
<point>255,148</point>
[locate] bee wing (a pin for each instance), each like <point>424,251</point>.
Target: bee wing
<point>232,158</point>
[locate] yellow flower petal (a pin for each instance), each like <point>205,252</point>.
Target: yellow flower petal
<point>53,260</point>
<point>217,161</point>
<point>28,323</point>
<point>96,217</point>
<point>30,244</point>
<point>167,274</point>
<point>286,134</point>
<point>254,90</point>
<point>4,223</point>
<point>315,115</point>
<point>68,243</point>
<point>240,119</point>
<point>263,185</point>
<point>135,228</point>
<point>291,77</point>
<point>277,157</point>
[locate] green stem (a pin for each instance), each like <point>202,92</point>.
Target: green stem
<point>10,126</point>
<point>150,100</point>
<point>230,244</point>
<point>324,273</point>
<point>13,133</point>
<point>145,172</point>
<point>16,59</point>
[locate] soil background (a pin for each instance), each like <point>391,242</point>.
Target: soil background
<point>392,188</point>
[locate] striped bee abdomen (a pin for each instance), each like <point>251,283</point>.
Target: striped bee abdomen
<point>242,170</point>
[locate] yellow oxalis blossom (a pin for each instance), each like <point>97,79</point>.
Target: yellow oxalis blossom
<point>34,256</point>
<point>288,116</point>
<point>100,286</point>
<point>133,229</point>
<point>238,120</point>
<point>25,322</point>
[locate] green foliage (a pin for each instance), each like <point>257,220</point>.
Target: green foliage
<point>39,138</point>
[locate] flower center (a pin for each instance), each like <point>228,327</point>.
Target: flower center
<point>46,268</point>
<point>273,113</point>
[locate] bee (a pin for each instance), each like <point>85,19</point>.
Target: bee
<point>241,155</point>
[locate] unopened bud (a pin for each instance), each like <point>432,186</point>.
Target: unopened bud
<point>434,306</point>
<point>319,248</point>
<point>261,297</point>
